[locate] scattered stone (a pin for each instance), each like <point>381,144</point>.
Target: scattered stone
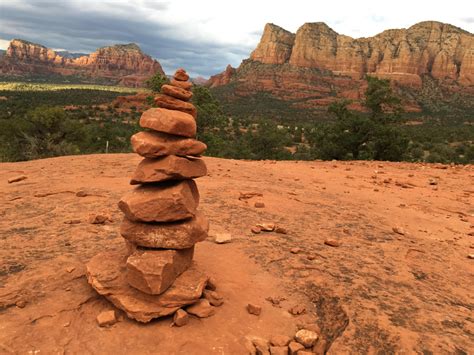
<point>181,75</point>
<point>294,348</point>
<point>17,179</point>
<point>82,193</point>
<point>222,238</point>
<point>249,195</point>
<point>180,318</point>
<point>176,105</point>
<point>175,235</point>
<point>399,230</point>
<point>157,144</point>
<point>266,227</point>
<point>332,243</point>
<point>256,230</point>
<point>211,284</point>
<point>201,309</point>
<point>98,218</point>
<point>106,273</point>
<point>72,221</point>
<point>20,303</point>
<point>280,230</point>
<point>177,92</point>
<point>154,271</point>
<point>470,256</point>
<point>280,340</point>
<point>169,167</point>
<point>259,205</point>
<point>305,337</point>
<point>311,257</point>
<point>169,121</point>
<point>70,269</point>
<point>254,309</point>
<point>214,298</point>
<point>278,350</point>
<point>166,202</point>
<point>295,250</point>
<point>297,310</point>
<point>261,346</point>
<point>432,181</point>
<point>106,318</point>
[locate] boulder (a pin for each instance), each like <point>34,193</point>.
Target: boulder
<point>169,102</point>
<point>157,144</point>
<point>173,235</point>
<point>153,271</point>
<point>177,92</point>
<point>169,121</point>
<point>106,272</point>
<point>171,167</point>
<point>166,202</point>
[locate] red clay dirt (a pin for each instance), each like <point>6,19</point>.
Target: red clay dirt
<point>379,291</point>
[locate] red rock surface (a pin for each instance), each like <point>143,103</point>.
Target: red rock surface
<point>378,292</point>
<point>317,62</point>
<point>125,64</point>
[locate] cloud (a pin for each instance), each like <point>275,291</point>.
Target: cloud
<point>204,36</point>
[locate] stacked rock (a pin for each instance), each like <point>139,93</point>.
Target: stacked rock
<point>155,276</point>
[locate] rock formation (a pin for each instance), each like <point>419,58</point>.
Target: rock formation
<point>123,63</point>
<point>319,64</point>
<point>154,276</point>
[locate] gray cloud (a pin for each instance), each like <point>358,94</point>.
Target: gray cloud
<point>58,24</point>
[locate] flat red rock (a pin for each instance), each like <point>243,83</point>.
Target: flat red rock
<point>154,271</point>
<point>167,202</point>
<point>169,121</point>
<point>177,92</point>
<point>169,167</point>
<point>156,144</point>
<point>181,75</point>
<point>169,102</point>
<point>106,274</point>
<point>174,235</point>
<point>186,85</point>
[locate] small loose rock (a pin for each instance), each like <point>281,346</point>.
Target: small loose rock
<point>305,337</point>
<point>399,230</point>
<point>106,319</point>
<point>280,230</point>
<point>180,318</point>
<point>222,238</point>
<point>256,230</point>
<point>280,340</point>
<point>254,309</point>
<point>259,205</point>
<point>295,347</point>
<point>17,179</point>
<point>295,250</point>
<point>332,243</point>
<point>297,310</point>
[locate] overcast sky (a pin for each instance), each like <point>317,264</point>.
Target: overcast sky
<point>203,36</point>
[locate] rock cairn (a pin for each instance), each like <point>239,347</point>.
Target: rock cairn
<point>155,275</point>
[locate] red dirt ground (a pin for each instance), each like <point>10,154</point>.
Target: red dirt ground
<point>379,292</point>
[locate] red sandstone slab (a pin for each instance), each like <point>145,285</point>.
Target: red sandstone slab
<point>169,121</point>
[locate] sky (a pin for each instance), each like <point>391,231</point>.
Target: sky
<point>203,36</point>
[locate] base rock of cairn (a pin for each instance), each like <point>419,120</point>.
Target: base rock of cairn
<point>154,276</point>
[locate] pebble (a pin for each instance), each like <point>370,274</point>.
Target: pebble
<point>280,340</point>
<point>70,269</point>
<point>180,318</point>
<point>259,205</point>
<point>470,256</point>
<point>254,309</point>
<point>20,303</point>
<point>256,230</point>
<point>295,250</point>
<point>297,310</point>
<point>98,218</point>
<point>295,347</point>
<point>214,298</point>
<point>201,309</point>
<point>332,243</point>
<point>305,337</point>
<point>17,179</point>
<point>211,284</point>
<point>399,230</point>
<point>267,227</point>
<point>280,230</point>
<point>106,318</point>
<point>222,238</point>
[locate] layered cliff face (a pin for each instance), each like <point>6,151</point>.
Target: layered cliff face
<point>123,64</point>
<point>293,66</point>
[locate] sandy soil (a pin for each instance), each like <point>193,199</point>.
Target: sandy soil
<point>378,292</point>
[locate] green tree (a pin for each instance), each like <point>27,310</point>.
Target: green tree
<point>156,82</point>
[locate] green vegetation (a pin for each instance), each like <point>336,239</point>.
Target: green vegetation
<point>156,82</point>
<point>38,121</point>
